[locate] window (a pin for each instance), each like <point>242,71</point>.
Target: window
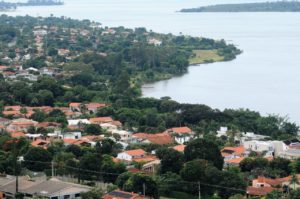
<point>66,196</point>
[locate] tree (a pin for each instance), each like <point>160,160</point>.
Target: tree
<point>294,180</point>
<point>37,159</point>
<point>93,129</point>
<point>75,149</point>
<point>90,164</point>
<point>122,179</point>
<point>111,169</point>
<point>204,149</point>
<point>171,161</point>
<point>281,164</point>
<point>94,193</point>
<point>194,171</point>
<point>139,182</point>
<point>274,195</point>
<point>38,116</point>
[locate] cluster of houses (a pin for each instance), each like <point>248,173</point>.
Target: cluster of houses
<point>250,142</point>
<point>261,185</point>
<point>19,125</point>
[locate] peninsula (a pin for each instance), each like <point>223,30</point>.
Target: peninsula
<point>279,6</point>
<point>7,6</point>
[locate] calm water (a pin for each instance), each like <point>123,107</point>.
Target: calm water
<point>266,77</point>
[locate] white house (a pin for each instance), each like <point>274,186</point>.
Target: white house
<point>71,135</point>
<point>181,134</point>
<point>259,146</point>
<point>131,154</point>
<point>78,121</point>
<point>125,135</point>
<point>222,132</point>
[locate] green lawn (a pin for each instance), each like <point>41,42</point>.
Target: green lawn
<point>205,56</point>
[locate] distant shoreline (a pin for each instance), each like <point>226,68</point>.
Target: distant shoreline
<point>10,7</point>
<point>279,6</point>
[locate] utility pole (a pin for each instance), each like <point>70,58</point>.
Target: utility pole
<point>199,187</point>
<point>144,189</point>
<point>52,168</point>
<point>15,167</point>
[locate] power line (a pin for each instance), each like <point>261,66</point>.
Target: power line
<point>117,174</point>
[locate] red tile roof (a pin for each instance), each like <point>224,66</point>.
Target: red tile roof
<point>74,104</point>
<point>235,161</point>
<point>238,151</point>
<point>159,138</point>
<point>17,134</point>
<point>259,191</point>
<point>179,148</point>
<point>14,108</point>
<point>135,152</point>
<point>14,113</point>
<point>101,119</point>
<point>148,158</point>
<point>39,143</point>
<point>118,194</point>
<point>94,105</point>
<point>181,130</point>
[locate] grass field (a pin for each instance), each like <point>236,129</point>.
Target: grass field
<point>205,56</point>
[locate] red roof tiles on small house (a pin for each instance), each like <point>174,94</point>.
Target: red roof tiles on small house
<point>118,194</point>
<point>181,130</point>
<point>147,158</point>
<point>179,148</point>
<point>238,151</point>
<point>259,191</point>
<point>74,104</point>
<point>13,113</point>
<point>90,106</point>
<point>13,108</point>
<point>97,120</point>
<point>17,134</point>
<point>136,152</point>
<point>234,161</point>
<point>40,143</point>
<point>159,138</point>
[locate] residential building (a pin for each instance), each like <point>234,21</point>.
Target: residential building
<point>181,134</point>
<point>118,194</point>
<point>131,154</point>
<point>159,138</point>
<point>41,188</point>
<point>233,152</point>
<point>179,148</point>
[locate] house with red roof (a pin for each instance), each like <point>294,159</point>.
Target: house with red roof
<point>101,120</point>
<point>130,155</point>
<point>229,153</point>
<point>259,191</point>
<point>159,138</point>
<point>75,107</point>
<point>21,124</point>
<point>118,194</point>
<point>94,107</point>
<point>181,134</point>
<point>179,148</point>
<point>40,143</point>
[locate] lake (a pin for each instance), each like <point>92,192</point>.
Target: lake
<point>265,78</point>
